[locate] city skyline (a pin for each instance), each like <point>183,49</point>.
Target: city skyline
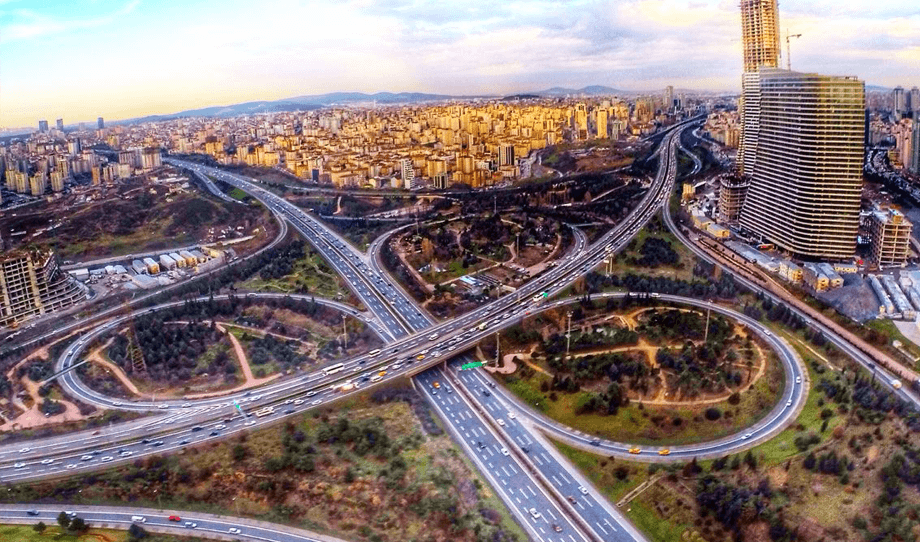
<point>137,58</point>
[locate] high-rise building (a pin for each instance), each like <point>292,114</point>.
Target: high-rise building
<point>505,154</point>
<point>914,165</point>
<point>806,164</point>
<point>899,100</point>
<point>760,34</point>
<point>100,123</point>
<point>889,234</point>
<point>602,129</point>
<point>43,126</point>
<point>60,125</point>
<point>668,98</point>
<point>915,101</point>
<point>407,171</point>
<point>32,283</point>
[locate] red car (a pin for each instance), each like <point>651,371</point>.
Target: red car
<point>175,518</point>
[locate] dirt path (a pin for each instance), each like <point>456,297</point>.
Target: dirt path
<point>32,416</point>
<point>96,357</point>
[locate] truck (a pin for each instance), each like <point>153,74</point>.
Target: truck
<point>265,412</point>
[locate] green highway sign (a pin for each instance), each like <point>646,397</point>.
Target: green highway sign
<point>471,365</point>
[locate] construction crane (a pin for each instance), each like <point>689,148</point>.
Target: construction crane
<point>789,49</point>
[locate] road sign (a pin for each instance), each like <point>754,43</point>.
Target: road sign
<point>472,365</point>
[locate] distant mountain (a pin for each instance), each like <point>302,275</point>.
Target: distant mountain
<point>593,90</point>
<point>878,88</point>
<point>300,103</point>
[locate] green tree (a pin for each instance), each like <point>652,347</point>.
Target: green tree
<point>39,527</point>
<point>78,525</point>
<point>63,520</point>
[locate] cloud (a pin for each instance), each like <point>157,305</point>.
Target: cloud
<point>30,23</point>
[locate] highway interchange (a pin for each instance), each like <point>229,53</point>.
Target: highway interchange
<point>544,484</point>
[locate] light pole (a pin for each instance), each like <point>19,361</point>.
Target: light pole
<point>157,391</point>
<point>568,334</point>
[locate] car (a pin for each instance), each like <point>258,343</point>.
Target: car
<point>525,449</point>
<point>184,441</point>
<point>596,442</point>
<point>289,411</point>
<point>70,513</point>
<point>434,392</point>
<point>234,530</point>
<point>186,405</point>
<point>117,403</point>
<point>86,458</point>
<point>71,466</point>
<point>197,428</point>
<point>158,443</point>
<point>436,384</point>
<point>32,512</point>
<point>571,499</point>
<point>316,402</point>
<point>449,390</point>
<point>505,451</point>
<point>47,461</point>
<point>214,433</point>
<point>174,518</point>
<point>534,514</point>
<point>250,422</point>
<point>147,440</point>
<point>25,450</point>
<point>486,392</point>
<point>107,458</point>
<point>664,452</point>
<point>798,380</point>
<point>190,525</point>
<point>19,465</point>
<point>747,436</point>
<point>491,384</point>
<point>161,407</point>
<point>311,393</point>
<point>298,401</point>
<point>511,416</point>
<point>481,445</point>
<point>557,527</point>
<point>635,451</point>
<point>500,422</point>
<point>220,426</point>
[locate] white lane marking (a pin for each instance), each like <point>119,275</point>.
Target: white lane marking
<point>558,483</point>
<point>601,527</point>
<point>531,490</point>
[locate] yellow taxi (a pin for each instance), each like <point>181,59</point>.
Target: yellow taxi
<point>437,384</point>
<point>635,451</point>
<point>382,373</point>
<point>664,452</point>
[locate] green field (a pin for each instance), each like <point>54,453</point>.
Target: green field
<point>311,275</point>
<point>25,533</point>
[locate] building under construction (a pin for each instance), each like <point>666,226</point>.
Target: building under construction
<point>32,284</point>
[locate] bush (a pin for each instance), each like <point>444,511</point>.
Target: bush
<point>39,527</point>
<point>734,398</point>
<point>713,414</point>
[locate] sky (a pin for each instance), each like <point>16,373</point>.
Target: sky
<point>80,59</point>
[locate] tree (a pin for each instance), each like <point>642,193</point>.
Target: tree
<point>78,525</point>
<point>39,527</point>
<point>63,520</point>
<point>239,452</point>
<point>136,532</point>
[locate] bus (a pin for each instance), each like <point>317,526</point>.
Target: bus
<point>332,369</point>
<point>373,353</point>
<point>265,411</point>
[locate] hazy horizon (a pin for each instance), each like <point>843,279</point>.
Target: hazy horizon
<point>123,59</point>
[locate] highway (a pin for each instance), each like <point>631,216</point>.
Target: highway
<point>399,316</point>
<point>183,524</point>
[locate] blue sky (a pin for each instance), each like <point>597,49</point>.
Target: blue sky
<point>79,59</point>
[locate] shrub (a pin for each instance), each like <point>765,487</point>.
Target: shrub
<point>713,414</point>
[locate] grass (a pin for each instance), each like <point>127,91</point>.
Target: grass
<point>24,533</point>
<point>634,423</point>
<point>311,275</point>
<point>206,479</point>
<point>782,447</point>
<point>238,194</point>
<point>602,471</point>
<point>887,328</point>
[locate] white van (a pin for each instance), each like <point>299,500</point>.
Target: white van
<point>138,519</point>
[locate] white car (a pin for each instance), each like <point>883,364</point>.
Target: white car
<point>504,451</point>
<point>190,525</point>
<point>71,466</point>
<point>288,401</point>
<point>220,426</point>
<point>19,465</point>
<point>583,489</point>
<point>501,422</point>
<point>511,416</point>
<point>126,453</point>
<point>25,450</point>
<point>234,530</point>
<point>316,402</point>
<point>298,401</point>
<point>186,405</point>
<point>747,436</point>
<point>250,422</point>
<point>107,458</point>
<point>47,461</point>
<point>534,514</point>
<point>86,458</point>
<point>798,380</point>
<point>163,407</point>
